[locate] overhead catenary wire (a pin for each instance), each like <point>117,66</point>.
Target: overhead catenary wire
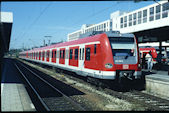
<point>94,14</point>
<point>36,19</point>
<point>41,13</point>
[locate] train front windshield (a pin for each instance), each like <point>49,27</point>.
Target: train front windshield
<point>124,50</point>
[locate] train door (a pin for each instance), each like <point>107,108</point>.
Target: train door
<point>62,56</point>
<point>81,57</point>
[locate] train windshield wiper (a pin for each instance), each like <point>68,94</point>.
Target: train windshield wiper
<point>126,56</point>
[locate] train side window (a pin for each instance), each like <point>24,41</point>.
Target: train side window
<point>83,54</point>
<point>80,54</point>
<point>43,54</point>
<point>55,54</point>
<point>52,54</point>
<point>95,46</point>
<point>87,54</point>
<point>76,54</point>
<point>67,54</point>
<point>70,53</point>
<point>63,54</point>
<point>39,54</point>
<point>60,53</point>
<point>48,53</point>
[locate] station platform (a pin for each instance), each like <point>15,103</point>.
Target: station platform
<point>157,82</point>
<point>14,96</point>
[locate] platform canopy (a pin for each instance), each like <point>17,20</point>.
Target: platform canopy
<point>6,21</point>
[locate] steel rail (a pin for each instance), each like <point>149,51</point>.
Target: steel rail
<point>41,100</point>
<point>66,97</point>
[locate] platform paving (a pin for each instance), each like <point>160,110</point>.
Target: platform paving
<point>157,83</point>
<point>14,96</point>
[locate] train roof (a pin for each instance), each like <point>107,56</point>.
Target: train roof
<point>95,36</point>
<point>79,41</point>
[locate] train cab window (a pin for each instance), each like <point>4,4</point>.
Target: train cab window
<point>76,54</point>
<point>70,53</point>
<point>87,54</point>
<point>95,48</point>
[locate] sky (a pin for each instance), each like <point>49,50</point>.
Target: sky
<point>33,20</point>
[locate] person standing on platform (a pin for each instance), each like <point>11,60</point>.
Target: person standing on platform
<point>144,60</point>
<point>149,62</point>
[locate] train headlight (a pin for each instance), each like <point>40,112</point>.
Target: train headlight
<point>108,65</point>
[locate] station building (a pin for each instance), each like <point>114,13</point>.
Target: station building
<point>149,17</point>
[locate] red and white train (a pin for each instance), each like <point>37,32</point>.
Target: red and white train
<point>106,56</point>
<point>148,49</point>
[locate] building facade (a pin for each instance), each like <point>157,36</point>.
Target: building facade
<point>128,22</point>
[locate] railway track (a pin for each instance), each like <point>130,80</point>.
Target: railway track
<point>149,102</point>
<point>51,98</point>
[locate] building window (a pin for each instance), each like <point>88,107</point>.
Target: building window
<point>76,54</point>
<point>125,21</point>
<point>144,16</point>
<point>111,24</point>
<point>139,17</point>
<point>70,53</point>
<point>130,20</point>
<point>158,10</point>
<point>121,22</point>
<point>87,53</point>
<point>165,10</point>
<point>134,18</point>
<point>151,18</point>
